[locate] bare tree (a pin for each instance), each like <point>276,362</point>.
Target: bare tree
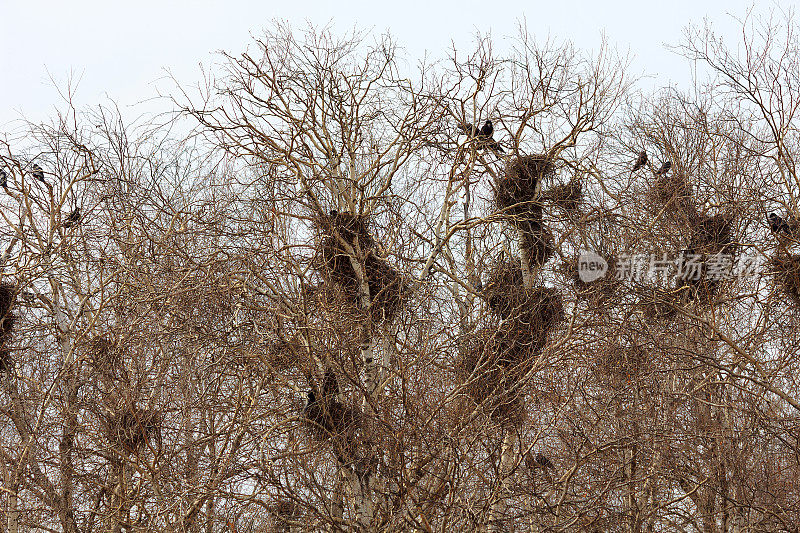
<point>350,299</point>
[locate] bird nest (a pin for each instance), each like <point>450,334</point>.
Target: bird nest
<point>7,297</point>
<point>713,234</point>
<point>618,364</point>
<point>492,367</point>
<point>567,196</point>
<point>341,231</point>
<point>538,243</point>
<point>657,304</point>
<point>786,269</point>
<point>516,190</point>
<point>324,415</point>
<point>539,308</point>
<point>674,192</point>
<point>105,355</point>
<point>495,360</point>
<point>131,427</point>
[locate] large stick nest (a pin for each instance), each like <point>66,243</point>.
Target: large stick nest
<point>618,364</point>
<point>106,357</point>
<point>786,269</point>
<point>516,190</point>
<point>341,231</point>
<point>324,414</point>
<point>328,419</point>
<point>567,196</point>
<point>539,307</point>
<point>483,368</point>
<point>674,193</point>
<point>131,427</point>
<point>713,234</point>
<point>495,360</point>
<point>538,242</point>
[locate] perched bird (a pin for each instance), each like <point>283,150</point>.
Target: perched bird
<point>73,218</point>
<point>495,146</point>
<point>487,130</point>
<point>3,178</point>
<point>664,168</point>
<point>334,212</point>
<point>484,135</point>
<point>543,461</point>
<point>538,461</point>
<point>37,172</point>
<point>778,225</point>
<point>640,162</point>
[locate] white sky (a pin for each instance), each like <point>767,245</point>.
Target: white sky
<point>120,50</point>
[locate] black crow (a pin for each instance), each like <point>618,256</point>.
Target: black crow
<point>543,461</point>
<point>494,145</point>
<point>778,225</point>
<point>538,461</point>
<point>664,168</point>
<point>37,172</point>
<point>73,218</point>
<point>640,162</point>
<point>484,135</point>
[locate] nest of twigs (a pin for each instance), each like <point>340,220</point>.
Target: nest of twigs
<point>7,320</point>
<point>329,420</point>
<point>675,194</point>
<point>516,190</point>
<point>131,427</point>
<point>324,414</point>
<point>538,243</point>
<point>495,360</point>
<point>618,364</point>
<point>658,304</point>
<point>486,372</point>
<point>540,307</point>
<point>713,234</point>
<point>566,196</point>
<point>341,231</point>
<point>786,269</point>
<point>105,356</point>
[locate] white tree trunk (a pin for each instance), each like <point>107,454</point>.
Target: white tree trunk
<point>497,513</point>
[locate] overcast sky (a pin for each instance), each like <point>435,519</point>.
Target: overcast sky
<point>120,50</point>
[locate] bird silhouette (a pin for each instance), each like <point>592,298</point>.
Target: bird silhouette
<point>543,461</point>
<point>3,178</point>
<point>73,218</point>
<point>484,135</point>
<point>37,172</point>
<point>664,168</point>
<point>640,162</point>
<point>778,225</point>
<point>538,461</point>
